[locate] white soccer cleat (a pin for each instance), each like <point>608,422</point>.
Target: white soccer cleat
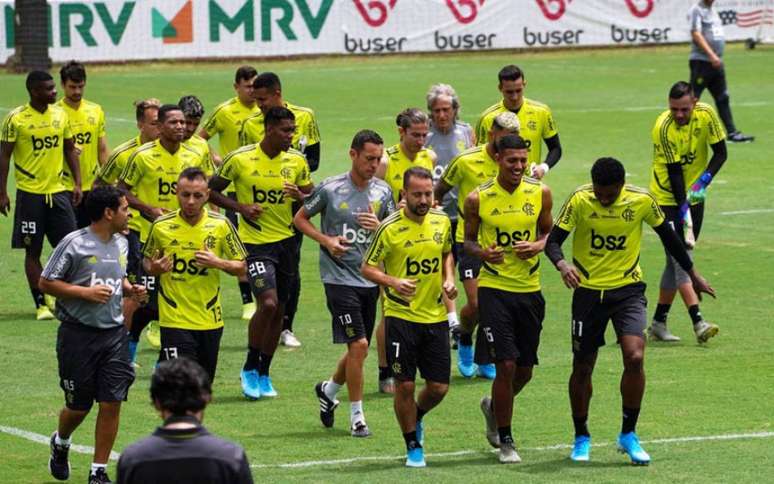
<point>287,338</point>
<point>508,454</point>
<point>705,330</point>
<point>659,332</point>
<point>248,310</point>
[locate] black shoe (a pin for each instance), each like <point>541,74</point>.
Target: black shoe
<point>360,429</point>
<point>739,137</point>
<point>99,477</point>
<point>327,406</point>
<point>58,464</point>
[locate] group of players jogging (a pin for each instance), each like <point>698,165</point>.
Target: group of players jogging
<point>391,230</point>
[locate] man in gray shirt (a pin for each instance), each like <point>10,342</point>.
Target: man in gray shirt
<point>351,206</point>
<point>87,275</point>
<point>707,66</point>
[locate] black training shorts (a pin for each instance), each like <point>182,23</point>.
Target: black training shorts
<point>38,215</point>
<point>272,266</point>
<point>424,346</point>
<point>353,311</point>
<point>201,346</point>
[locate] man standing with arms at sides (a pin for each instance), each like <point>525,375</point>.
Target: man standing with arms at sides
<point>467,171</point>
<point>225,121</point>
<point>267,91</point>
<point>706,64</point>
<point>537,122</point>
<point>507,221</point>
<point>607,218</point>
<point>87,275</point>
<point>351,206</point>
<point>87,123</point>
<point>682,171</point>
<point>267,177</point>
<point>38,137</point>
<point>414,246</point>
<point>186,249</point>
<point>193,110</point>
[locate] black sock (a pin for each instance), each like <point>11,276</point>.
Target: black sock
<point>38,297</point>
<point>466,339</point>
<point>662,311</point>
<point>140,319</point>
<point>505,435</point>
<point>247,294</point>
<point>253,359</point>
<point>411,440</point>
<point>287,322</point>
<point>580,425</point>
<point>695,314</point>
<point>630,416</point>
<point>420,413</point>
<point>385,372</point>
<point>264,364</point>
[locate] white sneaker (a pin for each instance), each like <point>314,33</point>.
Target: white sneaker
<point>705,330</point>
<point>508,454</point>
<point>659,332</point>
<point>248,310</point>
<point>287,338</point>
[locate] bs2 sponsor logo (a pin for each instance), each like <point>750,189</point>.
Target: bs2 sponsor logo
<point>423,266</point>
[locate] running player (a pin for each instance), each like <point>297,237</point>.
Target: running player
<point>193,110</point>
<point>37,135</point>
<point>468,170</point>
<point>537,122</point>
<point>607,218</point>
<point>87,123</point>
<point>267,177</point>
<point>351,205</point>
<point>186,249</point>
<point>507,221</point>
<point>682,171</point>
<point>414,247</point>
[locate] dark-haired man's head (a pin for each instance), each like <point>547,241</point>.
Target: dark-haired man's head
<point>608,177</point>
<point>193,110</point>
<point>171,123</point>
<point>511,83</point>
<point>267,91</point>
<point>280,124</point>
<point>413,126</point>
<point>147,114</point>
<point>108,204</point>
<point>681,102</point>
<point>41,87</point>
<point>180,387</point>
<point>418,190</point>
<point>511,153</point>
<point>366,152</point>
<point>73,76</point>
<point>192,192</point>
<point>243,84</point>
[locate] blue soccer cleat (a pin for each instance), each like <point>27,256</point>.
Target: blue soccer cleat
<point>465,361</point>
<point>250,386</point>
<point>581,449</point>
<point>630,444</point>
<point>267,389</point>
<point>487,371</point>
<point>420,429</point>
<point>416,457</point>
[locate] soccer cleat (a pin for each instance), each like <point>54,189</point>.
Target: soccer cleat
<point>492,436</point>
<point>58,464</point>
<point>465,361</point>
<point>250,384</point>
<point>416,457</point>
<point>487,371</point>
<point>420,430</point>
<point>360,429</point>
<point>287,338</point>
<point>508,454</point>
<point>630,444</point>
<point>739,137</point>
<point>50,301</point>
<point>327,406</point>
<point>153,335</point>
<point>267,389</point>
<point>705,330</point>
<point>387,385</point>
<point>658,331</point>
<point>99,477</point>
<point>43,313</point>
<point>581,449</point>
<point>248,310</point>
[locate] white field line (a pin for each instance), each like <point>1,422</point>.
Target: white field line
<point>748,212</point>
<point>42,439</point>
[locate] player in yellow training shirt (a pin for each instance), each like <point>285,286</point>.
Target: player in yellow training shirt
<point>267,177</point>
<point>186,249</point>
<point>467,171</point>
<point>682,171</point>
<point>507,221</point>
<point>37,135</point>
<point>537,122</point>
<point>605,274</point>
<point>414,247</point>
<point>146,114</point>
<point>87,123</point>
<point>193,110</point>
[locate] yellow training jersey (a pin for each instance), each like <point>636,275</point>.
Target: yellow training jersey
<point>398,163</point>
<point>413,251</point>
<point>507,218</point>
<point>199,143</point>
<point>189,295</point>
<point>226,121</point>
<point>87,124</point>
<point>152,172</point>
<point>536,123</point>
<point>38,151</point>
<point>307,133</point>
<point>117,160</point>
<point>260,179</point>
<point>606,244</point>
<point>468,170</point>
<point>687,145</point>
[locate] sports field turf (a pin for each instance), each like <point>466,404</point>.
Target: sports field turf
<point>708,411</point>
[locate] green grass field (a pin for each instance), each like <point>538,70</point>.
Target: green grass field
<point>605,103</point>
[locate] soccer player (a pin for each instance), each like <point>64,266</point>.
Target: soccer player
<point>607,218</point>
<point>193,110</point>
<point>267,91</point>
<point>537,122</point>
<point>267,177</point>
<point>682,170</point>
<point>38,137</point>
<point>414,247</point>
<point>87,123</point>
<point>186,250</point>
<point>350,205</point>
<point>468,170</point>
<point>707,66</point>
<point>225,121</point>
<point>87,275</point>
<point>507,221</point>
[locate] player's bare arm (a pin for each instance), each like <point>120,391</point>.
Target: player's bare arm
<point>150,211</point>
<point>491,254</point>
<point>217,184</point>
<point>6,148</point>
<point>553,249</point>
<point>71,158</point>
<point>527,250</point>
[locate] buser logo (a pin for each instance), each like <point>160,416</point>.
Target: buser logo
<point>187,266</point>
<point>422,266</point>
<point>609,242</point>
<point>45,142</point>
<point>505,239</point>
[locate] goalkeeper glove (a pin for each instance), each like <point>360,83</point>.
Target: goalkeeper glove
<point>698,191</point>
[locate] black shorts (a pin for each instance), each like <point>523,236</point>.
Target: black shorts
<point>468,266</point>
<point>82,218</point>
<point>704,75</point>
<point>136,273</point>
<point>592,309</point>
<point>272,266</point>
<point>411,346</point>
<point>202,346</point>
<point>353,310</point>
<point>37,215</point>
<point>94,364</point>
<point>509,326</point>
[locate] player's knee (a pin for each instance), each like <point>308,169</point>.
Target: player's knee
<point>583,366</point>
<point>109,408</point>
<point>506,369</point>
<point>405,388</point>
<point>358,350</point>
<point>633,360</point>
<point>522,375</point>
<point>268,305</point>
<point>438,390</point>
